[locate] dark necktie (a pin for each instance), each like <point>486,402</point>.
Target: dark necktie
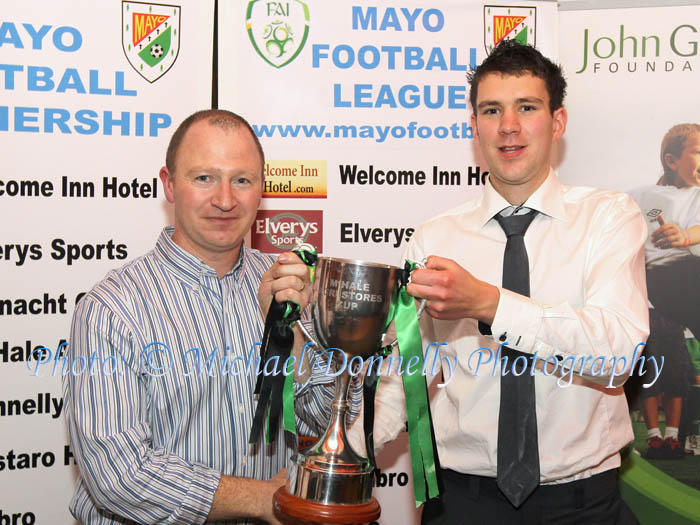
<point>518,470</point>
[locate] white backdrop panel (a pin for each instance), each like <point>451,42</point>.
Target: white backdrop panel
<point>72,107</point>
<point>621,106</point>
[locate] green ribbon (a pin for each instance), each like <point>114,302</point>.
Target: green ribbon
<point>309,256</point>
<point>290,316</point>
<point>288,416</point>
<point>288,419</point>
<point>420,435</point>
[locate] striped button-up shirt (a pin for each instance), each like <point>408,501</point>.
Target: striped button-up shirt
<point>164,404</point>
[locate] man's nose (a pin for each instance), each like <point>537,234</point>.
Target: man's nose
<point>224,197</point>
<point>509,123</point>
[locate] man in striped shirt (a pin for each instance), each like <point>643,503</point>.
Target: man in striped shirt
<point>159,427</point>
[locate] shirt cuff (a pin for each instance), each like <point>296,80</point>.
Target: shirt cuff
<point>198,500</point>
<point>517,321</point>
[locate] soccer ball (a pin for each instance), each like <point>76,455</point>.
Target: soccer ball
<point>156,51</point>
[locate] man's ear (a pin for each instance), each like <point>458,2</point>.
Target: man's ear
<point>474,128</point>
<point>671,161</point>
<point>559,120</point>
<point>168,184</point>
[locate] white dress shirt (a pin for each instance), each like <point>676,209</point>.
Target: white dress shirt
<point>588,298</point>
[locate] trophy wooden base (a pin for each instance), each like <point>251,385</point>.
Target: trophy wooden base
<point>292,510</point>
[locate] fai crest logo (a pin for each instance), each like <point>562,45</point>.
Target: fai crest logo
<point>508,23</point>
<point>277,30</point>
<point>150,37</point>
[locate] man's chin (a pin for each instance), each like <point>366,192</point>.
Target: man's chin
<point>225,246</point>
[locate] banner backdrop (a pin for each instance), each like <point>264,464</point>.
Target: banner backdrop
<point>362,108</point>
<point>90,94</point>
<point>633,74</point>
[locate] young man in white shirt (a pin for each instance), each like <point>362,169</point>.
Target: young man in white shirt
<point>587,301</point>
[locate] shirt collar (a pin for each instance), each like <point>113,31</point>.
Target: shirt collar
<point>548,199</point>
<point>189,267</point>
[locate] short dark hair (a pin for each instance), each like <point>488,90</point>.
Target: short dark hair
<point>220,118</point>
<point>512,58</point>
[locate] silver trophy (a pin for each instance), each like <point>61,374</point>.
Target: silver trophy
<point>329,481</point>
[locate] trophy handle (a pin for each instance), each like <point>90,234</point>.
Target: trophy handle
<point>302,246</point>
<point>420,266</point>
<point>421,307</point>
<point>307,334</point>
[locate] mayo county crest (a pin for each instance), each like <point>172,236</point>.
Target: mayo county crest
<point>277,30</point>
<point>508,23</point>
<point>150,37</point>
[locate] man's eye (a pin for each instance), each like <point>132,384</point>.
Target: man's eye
<point>490,111</point>
<point>528,108</point>
<point>202,178</point>
<point>242,180</point>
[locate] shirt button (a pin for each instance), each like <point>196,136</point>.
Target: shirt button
<point>241,409</point>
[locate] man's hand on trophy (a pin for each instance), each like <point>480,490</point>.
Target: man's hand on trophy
<point>287,279</point>
<point>271,487</point>
<point>241,498</point>
<point>452,292</point>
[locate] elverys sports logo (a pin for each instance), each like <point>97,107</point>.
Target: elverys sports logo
<point>277,231</point>
<point>150,37</point>
<point>277,30</point>
<point>509,23</point>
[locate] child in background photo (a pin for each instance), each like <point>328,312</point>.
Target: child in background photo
<point>692,416</point>
<point>672,211</point>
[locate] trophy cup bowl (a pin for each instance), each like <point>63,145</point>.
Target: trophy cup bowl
<point>329,482</point>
